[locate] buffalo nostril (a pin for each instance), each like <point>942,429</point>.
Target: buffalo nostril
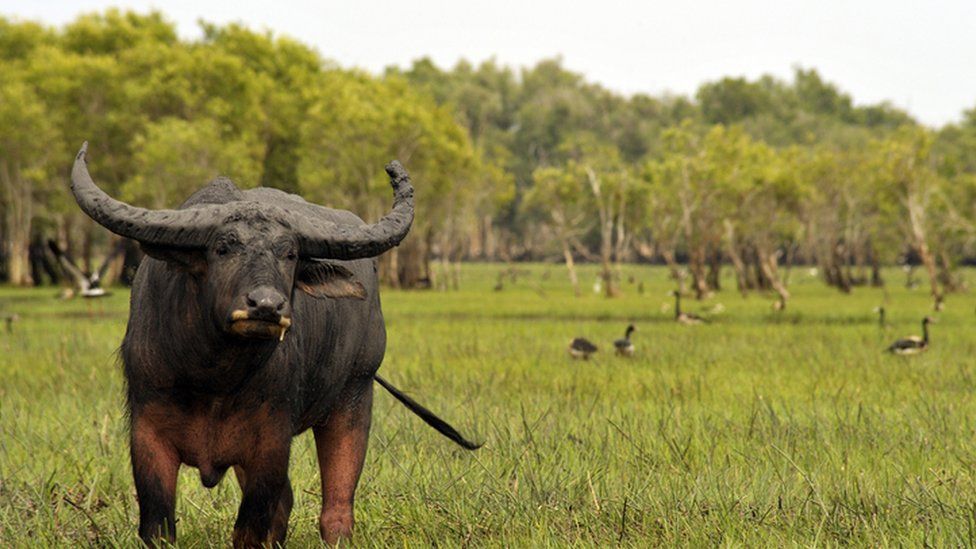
<point>264,302</point>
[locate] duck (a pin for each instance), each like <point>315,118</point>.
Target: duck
<point>913,345</point>
<point>687,319</point>
<point>624,346</point>
<point>581,348</point>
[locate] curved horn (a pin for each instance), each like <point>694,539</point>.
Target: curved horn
<point>188,228</point>
<point>324,239</point>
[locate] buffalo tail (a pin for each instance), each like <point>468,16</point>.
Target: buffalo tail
<point>428,416</point>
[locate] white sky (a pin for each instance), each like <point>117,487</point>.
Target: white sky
<point>919,55</point>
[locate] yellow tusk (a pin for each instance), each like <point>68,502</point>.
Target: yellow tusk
<point>284,322</point>
<point>282,336</point>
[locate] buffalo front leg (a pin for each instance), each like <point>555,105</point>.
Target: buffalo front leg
<point>262,520</point>
<point>341,446</point>
<point>155,465</point>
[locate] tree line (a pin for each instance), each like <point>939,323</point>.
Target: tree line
<point>511,164</point>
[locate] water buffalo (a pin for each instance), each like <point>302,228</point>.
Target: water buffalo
<point>255,317</point>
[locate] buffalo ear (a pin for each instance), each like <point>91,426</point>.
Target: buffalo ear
<point>191,261</point>
<point>323,279</point>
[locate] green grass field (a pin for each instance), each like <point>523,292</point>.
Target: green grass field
<point>759,429</point>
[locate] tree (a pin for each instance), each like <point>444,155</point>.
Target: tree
<point>286,71</point>
<point>174,158</point>
<point>560,196</point>
<point>26,167</point>
<point>609,183</point>
<point>355,125</point>
<point>907,183</point>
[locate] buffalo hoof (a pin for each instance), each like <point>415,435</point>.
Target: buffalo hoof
<point>335,526</point>
<point>248,539</point>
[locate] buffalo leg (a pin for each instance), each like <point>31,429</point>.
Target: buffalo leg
<point>155,465</point>
<point>341,446</point>
<point>266,504</point>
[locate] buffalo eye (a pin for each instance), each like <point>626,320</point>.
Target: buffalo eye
<point>286,250</point>
<point>222,249</point>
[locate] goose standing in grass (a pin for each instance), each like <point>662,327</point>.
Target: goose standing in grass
<point>9,319</point>
<point>625,347</point>
<point>581,347</point>
<point>913,345</point>
<point>882,323</point>
<point>680,317</point>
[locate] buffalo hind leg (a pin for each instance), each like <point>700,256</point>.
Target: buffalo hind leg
<point>341,446</point>
<point>155,465</point>
<point>262,520</point>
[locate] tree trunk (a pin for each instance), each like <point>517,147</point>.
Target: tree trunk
<point>714,277</point>
<point>676,274</point>
<point>760,280</point>
<point>19,200</point>
<point>877,280</point>
<point>946,278</point>
<point>741,278</point>
<point>696,264</point>
<point>41,265</point>
<point>843,282</point>
<point>605,209</point>
<point>571,267</point>
<point>915,216</point>
<point>488,239</point>
<point>923,251</point>
<point>767,261</point>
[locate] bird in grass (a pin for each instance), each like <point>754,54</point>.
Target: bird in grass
<point>913,345</point>
<point>89,285</point>
<point>624,346</point>
<point>9,319</point>
<point>582,348</point>
<point>882,323</point>
<point>680,317</point>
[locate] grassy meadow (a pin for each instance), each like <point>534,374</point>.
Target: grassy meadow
<point>761,428</point>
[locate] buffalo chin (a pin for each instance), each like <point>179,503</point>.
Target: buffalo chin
<point>257,329</point>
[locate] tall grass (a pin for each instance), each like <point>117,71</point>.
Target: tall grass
<point>760,428</point>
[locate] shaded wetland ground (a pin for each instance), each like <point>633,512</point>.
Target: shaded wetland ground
<point>760,428</point>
